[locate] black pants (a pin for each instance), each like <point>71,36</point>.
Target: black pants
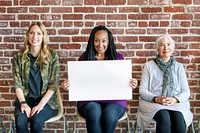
<point>168,121</point>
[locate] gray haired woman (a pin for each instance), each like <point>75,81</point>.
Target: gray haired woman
<point>164,91</point>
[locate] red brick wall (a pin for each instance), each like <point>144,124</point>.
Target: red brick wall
<point>135,25</point>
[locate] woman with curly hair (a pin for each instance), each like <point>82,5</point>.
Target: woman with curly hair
<point>36,80</point>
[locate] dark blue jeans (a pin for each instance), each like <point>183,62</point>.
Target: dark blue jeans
<point>168,121</point>
<point>36,121</point>
<point>101,117</point>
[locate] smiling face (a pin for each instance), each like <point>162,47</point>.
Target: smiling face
<point>165,49</point>
<point>101,43</point>
<point>35,36</point>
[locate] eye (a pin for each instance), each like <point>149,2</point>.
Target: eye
<point>161,44</point>
<point>39,33</point>
<point>96,40</point>
<point>103,41</point>
<point>31,32</point>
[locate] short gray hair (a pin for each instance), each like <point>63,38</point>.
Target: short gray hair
<point>167,37</point>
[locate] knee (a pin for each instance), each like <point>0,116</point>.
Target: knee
<point>21,121</point>
<point>36,122</point>
<point>162,117</point>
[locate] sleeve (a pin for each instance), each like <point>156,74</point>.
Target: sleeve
<point>145,94</point>
<point>17,74</point>
<point>184,95</point>
<point>53,82</point>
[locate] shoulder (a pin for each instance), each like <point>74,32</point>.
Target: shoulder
<point>82,57</point>
<point>120,56</point>
<point>18,55</point>
<point>53,53</point>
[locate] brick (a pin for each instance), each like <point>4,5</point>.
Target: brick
<point>79,39</point>
<point>6,3</point>
<point>178,31</point>
<point>135,31</point>
<point>84,9</point>
<point>95,17</point>
<point>153,24</point>
<point>68,31</point>
<point>196,2</point>
<point>196,23</point>
<point>94,2</point>
<point>72,16</point>
<point>59,39</point>
<point>156,31</point>
<point>137,2</point>
<point>29,2</point>
<point>194,46</point>
<point>7,17</point>
<point>159,16</point>
<point>28,17</point>
<point>164,23</point>
<point>14,24</point>
<point>195,31</point>
<point>127,39</point>
<point>5,31</point>
<point>147,38</point>
<point>174,9</point>
<point>70,46</point>
<point>182,17</point>
<point>51,2</point>
<point>116,16</point>
<point>128,9</point>
<point>193,9</point>
<point>7,46</point>
<point>78,24</point>
<point>106,9</point>
<point>50,17</point>
<point>39,9</point>
<point>61,10</point>
<point>3,24</point>
<point>13,39</point>
<point>187,2</point>
<point>191,39</point>
<point>116,2</point>
<point>151,9</point>
<point>190,53</point>
<point>143,24</point>
<point>17,10</point>
<point>185,23</point>
<point>2,10</point>
<point>138,17</point>
<point>159,2</point>
<point>51,31</point>
<point>72,2</point>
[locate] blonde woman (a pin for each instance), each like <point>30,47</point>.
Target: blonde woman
<point>36,79</point>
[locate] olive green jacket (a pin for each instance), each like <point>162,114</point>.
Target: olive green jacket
<point>49,73</point>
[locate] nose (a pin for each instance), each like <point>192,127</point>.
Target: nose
<point>34,35</point>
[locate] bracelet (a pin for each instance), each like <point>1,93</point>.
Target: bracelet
<point>22,102</point>
<point>154,99</point>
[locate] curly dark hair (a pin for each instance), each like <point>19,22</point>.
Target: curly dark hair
<point>90,53</point>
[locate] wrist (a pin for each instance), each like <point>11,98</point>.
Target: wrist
<point>23,102</point>
<point>154,99</point>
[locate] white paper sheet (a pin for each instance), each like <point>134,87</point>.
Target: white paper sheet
<point>99,80</point>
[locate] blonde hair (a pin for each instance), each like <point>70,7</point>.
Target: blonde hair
<point>44,52</point>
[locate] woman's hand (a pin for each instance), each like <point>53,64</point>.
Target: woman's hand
<point>26,109</point>
<point>133,83</point>
<point>36,109</point>
<point>167,101</point>
<point>65,85</point>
